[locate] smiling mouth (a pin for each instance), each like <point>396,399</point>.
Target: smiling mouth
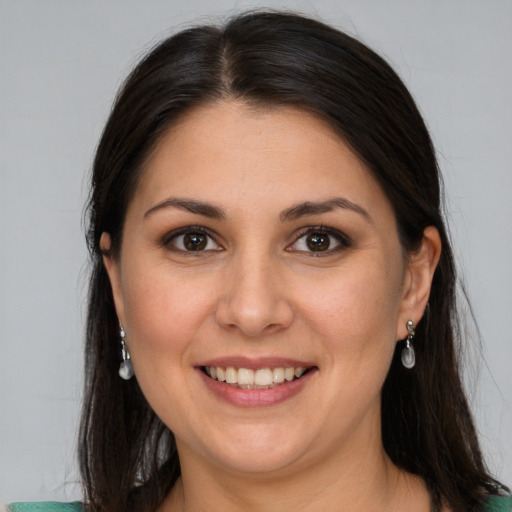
<point>263,378</point>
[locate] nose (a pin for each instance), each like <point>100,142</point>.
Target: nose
<point>253,300</point>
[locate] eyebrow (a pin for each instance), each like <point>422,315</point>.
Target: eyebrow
<point>314,208</point>
<point>190,205</point>
<point>293,213</point>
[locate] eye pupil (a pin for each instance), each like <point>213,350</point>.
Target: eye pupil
<point>318,242</point>
<point>195,241</point>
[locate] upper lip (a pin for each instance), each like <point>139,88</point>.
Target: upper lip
<point>256,363</point>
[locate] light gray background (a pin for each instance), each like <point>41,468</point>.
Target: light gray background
<point>60,65</point>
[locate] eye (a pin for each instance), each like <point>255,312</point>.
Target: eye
<point>320,240</point>
<point>191,239</point>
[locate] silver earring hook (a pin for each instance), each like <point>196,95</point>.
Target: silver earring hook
<point>408,355</point>
<point>126,367</point>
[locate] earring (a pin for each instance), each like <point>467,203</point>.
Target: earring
<point>408,355</point>
<point>126,367</point>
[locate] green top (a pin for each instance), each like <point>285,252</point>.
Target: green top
<point>498,504</point>
<point>494,504</point>
<point>47,506</point>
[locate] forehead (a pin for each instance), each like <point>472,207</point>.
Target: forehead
<point>240,155</point>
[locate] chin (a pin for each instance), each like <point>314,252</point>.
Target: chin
<point>259,463</point>
<point>261,450</point>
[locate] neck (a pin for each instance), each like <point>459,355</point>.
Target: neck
<point>360,479</point>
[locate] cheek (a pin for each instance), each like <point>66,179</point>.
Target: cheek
<point>355,313</point>
<point>164,311</point>
<point>355,299</point>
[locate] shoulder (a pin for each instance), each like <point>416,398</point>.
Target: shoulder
<point>46,506</point>
<point>502,503</point>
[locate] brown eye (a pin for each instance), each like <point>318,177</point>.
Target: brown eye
<point>191,239</point>
<point>318,241</point>
<point>195,241</point>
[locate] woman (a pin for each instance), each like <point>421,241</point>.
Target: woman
<point>265,225</point>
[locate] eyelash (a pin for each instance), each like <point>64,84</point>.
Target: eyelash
<point>188,230</point>
<point>343,241</point>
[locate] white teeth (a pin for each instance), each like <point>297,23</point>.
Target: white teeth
<point>245,377</point>
<point>299,371</point>
<point>263,378</point>
<point>231,375</point>
<point>278,375</point>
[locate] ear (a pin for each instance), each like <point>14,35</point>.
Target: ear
<point>418,277</point>
<point>114,274</point>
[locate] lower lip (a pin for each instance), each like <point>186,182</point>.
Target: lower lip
<point>256,397</point>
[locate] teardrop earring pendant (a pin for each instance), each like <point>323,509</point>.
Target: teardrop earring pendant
<point>408,355</point>
<point>126,367</point>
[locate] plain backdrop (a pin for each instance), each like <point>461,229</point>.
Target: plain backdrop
<point>60,65</point>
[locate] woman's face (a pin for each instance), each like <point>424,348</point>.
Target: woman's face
<point>257,246</point>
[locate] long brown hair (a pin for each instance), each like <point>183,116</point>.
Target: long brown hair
<point>128,457</point>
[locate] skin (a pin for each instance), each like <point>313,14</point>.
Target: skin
<point>257,290</point>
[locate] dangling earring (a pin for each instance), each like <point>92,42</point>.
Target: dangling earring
<point>126,367</point>
<point>408,355</point>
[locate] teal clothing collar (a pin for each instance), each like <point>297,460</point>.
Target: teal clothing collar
<point>492,504</point>
<point>47,506</point>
